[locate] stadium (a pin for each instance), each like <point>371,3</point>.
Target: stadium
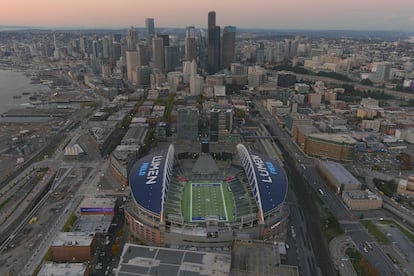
<point>206,199</point>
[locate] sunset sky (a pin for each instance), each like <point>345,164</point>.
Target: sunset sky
<point>271,14</point>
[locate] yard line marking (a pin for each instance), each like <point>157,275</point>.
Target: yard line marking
<point>224,202</point>
<point>191,202</point>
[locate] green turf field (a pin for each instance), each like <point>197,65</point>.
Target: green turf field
<point>207,199</point>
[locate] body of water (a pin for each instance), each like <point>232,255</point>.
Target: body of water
<point>14,83</point>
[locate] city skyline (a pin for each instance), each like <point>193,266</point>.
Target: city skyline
<point>318,14</point>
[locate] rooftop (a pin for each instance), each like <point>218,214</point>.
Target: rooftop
<point>64,269</point>
<point>259,258</point>
<point>73,239</point>
<point>340,173</point>
<point>98,202</point>
<point>93,224</point>
<point>361,195</point>
<point>337,138</point>
<point>144,260</point>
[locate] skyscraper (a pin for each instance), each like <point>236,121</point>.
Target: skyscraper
<point>211,19</point>
<point>144,55</point>
<point>260,57</point>
<point>149,26</point>
<point>187,123</point>
<point>229,42</point>
<point>190,49</point>
<point>132,61</point>
<point>165,39</point>
<point>158,53</point>
<point>190,44</point>
<point>171,58</point>
<point>221,123</point>
<point>213,52</point>
<point>132,39</point>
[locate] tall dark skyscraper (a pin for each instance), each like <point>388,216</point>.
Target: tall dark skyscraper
<point>158,53</point>
<point>229,42</point>
<point>214,44</point>
<point>165,39</point>
<point>149,26</point>
<point>171,58</point>
<point>211,19</point>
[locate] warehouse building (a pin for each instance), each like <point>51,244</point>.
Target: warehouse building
<point>339,178</point>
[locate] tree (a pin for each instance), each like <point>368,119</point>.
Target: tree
<point>366,82</point>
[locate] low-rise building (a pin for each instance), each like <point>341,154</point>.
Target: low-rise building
<point>263,257</point>
<point>326,145</point>
<point>361,200</point>
<point>106,206</point>
<point>337,176</point>
<point>138,259</point>
<point>53,269</point>
<point>406,186</point>
<point>73,247</point>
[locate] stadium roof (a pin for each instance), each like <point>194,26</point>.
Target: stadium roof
<point>270,179</point>
<point>149,179</point>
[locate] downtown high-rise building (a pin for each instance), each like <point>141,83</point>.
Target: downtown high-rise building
<point>150,28</point>
<point>171,55</point>
<point>221,123</point>
<point>190,44</point>
<point>214,44</point>
<point>132,61</point>
<point>132,39</point>
<point>187,123</point>
<point>229,45</point>
<point>158,53</point>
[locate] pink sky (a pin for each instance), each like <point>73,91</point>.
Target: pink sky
<point>277,14</point>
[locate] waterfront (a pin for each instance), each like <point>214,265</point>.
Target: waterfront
<point>14,83</point>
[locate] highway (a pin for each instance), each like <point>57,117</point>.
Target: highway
<point>330,200</point>
<point>397,94</point>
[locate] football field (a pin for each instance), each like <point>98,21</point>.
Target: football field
<point>208,199</point>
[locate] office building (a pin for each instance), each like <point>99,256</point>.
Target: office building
<point>237,69</point>
<point>361,200</point>
<point>190,44</point>
<point>214,44</point>
<point>260,57</point>
<point>144,54</point>
<point>158,53</point>
<point>73,247</point>
<point>106,47</point>
<point>189,69</point>
<point>196,85</point>
<point>171,55</point>
<point>143,75</point>
<point>149,26</point>
<point>221,123</point>
<point>132,39</point>
<point>132,61</point>
<point>165,39</point>
<point>53,269</point>
<point>187,123</point>
<point>229,44</point>
<point>190,48</point>
<point>256,76</point>
<point>381,71</point>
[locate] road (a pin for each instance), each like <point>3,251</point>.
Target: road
<point>397,94</point>
<point>87,188</point>
<point>338,247</point>
<point>330,200</point>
